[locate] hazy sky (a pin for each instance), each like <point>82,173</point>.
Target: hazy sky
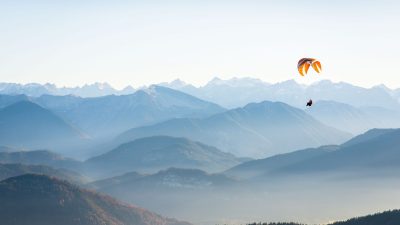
<point>72,42</point>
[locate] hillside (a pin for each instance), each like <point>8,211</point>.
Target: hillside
<point>254,168</point>
<point>374,153</point>
<point>256,130</point>
<point>40,157</point>
<point>12,170</point>
<point>162,181</point>
<point>152,154</point>
<point>26,124</point>
<point>48,201</point>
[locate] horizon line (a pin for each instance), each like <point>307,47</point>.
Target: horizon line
<point>196,86</point>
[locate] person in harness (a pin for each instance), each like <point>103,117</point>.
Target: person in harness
<point>309,103</point>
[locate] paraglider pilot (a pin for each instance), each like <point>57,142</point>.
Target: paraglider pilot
<point>309,103</point>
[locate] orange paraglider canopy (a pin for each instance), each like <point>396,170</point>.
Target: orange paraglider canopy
<point>304,64</point>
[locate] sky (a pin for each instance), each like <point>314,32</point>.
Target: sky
<point>138,43</point>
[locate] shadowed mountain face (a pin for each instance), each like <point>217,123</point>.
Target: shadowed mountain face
<point>152,154</point>
<point>12,170</point>
<point>48,201</point>
<point>25,124</point>
<point>113,114</point>
<point>256,130</point>
<point>6,100</point>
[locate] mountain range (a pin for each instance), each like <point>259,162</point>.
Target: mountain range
<point>46,201</point>
<point>88,90</point>
<point>112,114</point>
<point>256,130</point>
<point>247,90</point>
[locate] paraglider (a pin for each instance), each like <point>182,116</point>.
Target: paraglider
<point>304,64</point>
<point>309,103</point>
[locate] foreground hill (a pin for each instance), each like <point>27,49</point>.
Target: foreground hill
<point>26,124</point>
<point>256,130</point>
<point>48,201</point>
<point>386,218</point>
<point>152,154</point>
<point>12,170</point>
<point>113,114</point>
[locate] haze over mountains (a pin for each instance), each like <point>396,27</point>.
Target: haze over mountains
<point>63,203</point>
<point>88,90</point>
<point>28,125</point>
<point>112,114</point>
<point>372,153</point>
<point>247,90</point>
<point>181,156</point>
<point>320,177</point>
<point>152,154</point>
<point>258,129</point>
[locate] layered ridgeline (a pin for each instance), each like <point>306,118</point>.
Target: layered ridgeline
<point>256,130</point>
<point>152,154</point>
<point>88,90</point>
<point>113,114</point>
<point>47,201</point>
<point>171,179</point>
<point>189,194</point>
<point>375,153</point>
<point>247,90</point>
<point>12,170</point>
<point>354,119</point>
<point>40,157</point>
<point>27,125</point>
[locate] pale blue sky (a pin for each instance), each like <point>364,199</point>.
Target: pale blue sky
<point>141,42</point>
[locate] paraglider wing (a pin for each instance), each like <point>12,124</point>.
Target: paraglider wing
<point>304,64</point>
<point>317,66</point>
